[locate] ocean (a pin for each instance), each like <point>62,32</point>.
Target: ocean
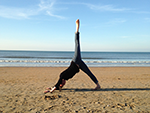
<point>63,59</point>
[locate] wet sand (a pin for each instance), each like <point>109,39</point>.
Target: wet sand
<point>124,89</point>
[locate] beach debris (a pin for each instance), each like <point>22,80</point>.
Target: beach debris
<point>119,78</point>
<point>88,110</point>
<point>51,97</point>
<point>112,106</point>
<point>131,106</point>
<point>122,105</point>
<point>50,107</point>
<point>97,102</point>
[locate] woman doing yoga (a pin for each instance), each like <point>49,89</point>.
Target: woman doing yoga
<point>74,67</point>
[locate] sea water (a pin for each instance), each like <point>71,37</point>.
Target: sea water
<point>63,58</point>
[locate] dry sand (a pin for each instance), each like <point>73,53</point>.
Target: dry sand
<point>124,89</point>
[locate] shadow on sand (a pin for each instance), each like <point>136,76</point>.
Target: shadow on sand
<point>107,89</point>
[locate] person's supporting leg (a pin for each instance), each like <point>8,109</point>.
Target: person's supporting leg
<point>85,69</point>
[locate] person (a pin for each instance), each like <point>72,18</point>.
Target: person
<point>75,66</point>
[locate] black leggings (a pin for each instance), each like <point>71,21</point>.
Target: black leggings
<point>78,60</point>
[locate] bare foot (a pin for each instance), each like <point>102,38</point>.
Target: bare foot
<point>97,87</point>
<point>77,25</point>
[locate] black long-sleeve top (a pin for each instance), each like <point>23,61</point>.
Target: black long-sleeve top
<point>70,71</point>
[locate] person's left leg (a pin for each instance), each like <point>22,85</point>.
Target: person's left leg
<point>85,69</point>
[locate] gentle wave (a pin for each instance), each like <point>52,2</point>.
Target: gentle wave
<point>32,61</point>
<point>60,61</point>
<point>56,57</point>
<point>29,57</point>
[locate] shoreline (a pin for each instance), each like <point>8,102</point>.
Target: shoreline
<point>67,66</point>
<point>124,89</point>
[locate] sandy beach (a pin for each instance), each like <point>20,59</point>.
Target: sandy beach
<point>124,90</point>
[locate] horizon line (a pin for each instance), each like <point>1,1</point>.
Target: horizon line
<point>72,51</point>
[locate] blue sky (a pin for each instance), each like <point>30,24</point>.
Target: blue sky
<point>49,25</point>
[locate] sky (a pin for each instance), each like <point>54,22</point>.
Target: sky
<point>49,25</point>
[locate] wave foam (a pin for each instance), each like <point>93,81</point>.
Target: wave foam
<point>60,61</point>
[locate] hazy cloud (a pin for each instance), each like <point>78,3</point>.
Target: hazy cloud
<point>44,7</point>
<point>111,8</point>
<point>16,13</point>
<point>116,21</point>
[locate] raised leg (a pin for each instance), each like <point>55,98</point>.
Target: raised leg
<point>78,60</point>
